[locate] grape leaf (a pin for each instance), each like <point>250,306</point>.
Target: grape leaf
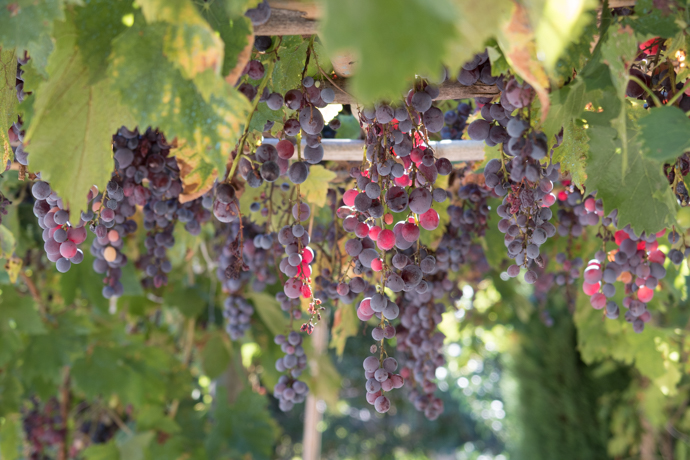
<point>356,26</point>
<point>8,101</point>
<point>665,133</point>
<point>315,188</point>
<point>7,243</point>
<point>649,21</point>
<point>566,104</point>
<point>159,96</point>
<point>287,73</point>
<point>97,23</point>
<point>572,153</point>
<point>21,310</point>
<point>639,191</point>
<point>135,447</point>
<point>234,30</point>
<point>559,26</point>
<point>154,418</point>
<point>598,340</point>
<point>215,355</point>
<point>618,52</point>
<point>69,138</point>
<point>11,437</point>
<point>190,43</point>
<point>107,451</point>
<point>516,39</point>
<point>242,428</point>
<point>473,28</point>
<point>345,324</point>
<point>25,22</point>
<point>269,310</point>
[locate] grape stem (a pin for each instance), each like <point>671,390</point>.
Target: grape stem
<point>267,75</point>
<point>642,85</point>
<point>679,94</point>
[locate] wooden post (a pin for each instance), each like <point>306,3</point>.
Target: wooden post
<point>311,440</point>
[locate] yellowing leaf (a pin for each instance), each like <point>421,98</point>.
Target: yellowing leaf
<point>69,138</point>
<point>315,188</point>
<point>516,39</point>
<point>561,24</point>
<point>8,101</point>
<point>190,42</point>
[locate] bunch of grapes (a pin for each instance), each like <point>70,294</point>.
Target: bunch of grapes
<point>675,173</point>
<point>289,390</point>
<point>518,176</point>
<point>237,312</point>
<point>141,159</point>
<point>16,132</point>
<point>525,213</point>
<point>423,343</point>
<point>456,121</point>
<point>637,264</point>
<point>43,428</point>
<point>60,235</point>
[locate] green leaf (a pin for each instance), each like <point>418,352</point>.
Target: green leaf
<point>349,127</point>
<point>12,391</point>
<point>21,310</point>
<point>243,428</point>
<point>618,52</point>
<point>473,28</point>
<point>345,324</point>
<point>234,30</point>
<point>135,447</point>
<point>566,104</point>
<point>71,130</point>
<point>11,437</point>
<point>639,191</point>
<point>665,132</point>
<point>215,355</point>
<point>356,26</point>
<point>649,21</point>
<point>572,153</point>
<point>189,43</point>
<point>107,451</point>
<point>7,243</point>
<point>559,26</point>
<point>187,299</point>
<point>154,418</point>
<point>25,22</point>
<point>97,25</point>
<point>315,188</point>
<point>287,73</point>
<point>160,96</point>
<point>269,310</point>
<point>8,101</point>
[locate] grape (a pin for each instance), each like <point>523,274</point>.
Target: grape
<point>262,42</point>
<point>274,101</point>
<point>421,101</point>
<point>420,200</point>
<point>41,190</point>
<point>298,172</point>
<point>478,130</point>
<point>327,96</point>
<point>260,14</point>
<point>311,120</point>
<point>270,171</point>
<point>433,119</point>
<point>313,155</point>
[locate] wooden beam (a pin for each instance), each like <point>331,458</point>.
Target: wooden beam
<point>353,150</point>
<point>292,17</point>
<point>285,21</point>
<point>449,89</point>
